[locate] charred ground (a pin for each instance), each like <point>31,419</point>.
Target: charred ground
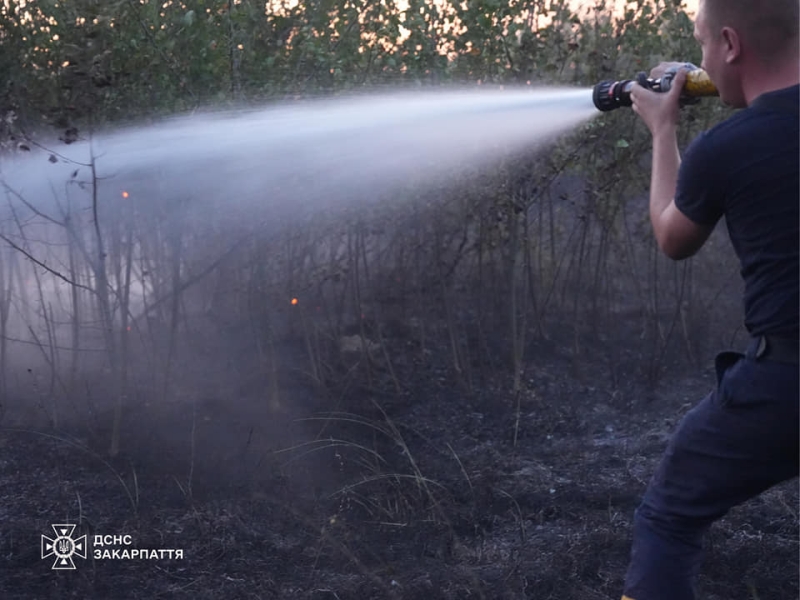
<point>362,492</point>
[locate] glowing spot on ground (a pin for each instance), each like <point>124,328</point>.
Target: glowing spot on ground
<point>124,194</point>
<point>294,301</point>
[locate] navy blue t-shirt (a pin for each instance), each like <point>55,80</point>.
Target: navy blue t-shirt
<point>747,168</point>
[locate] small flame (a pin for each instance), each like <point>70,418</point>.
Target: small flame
<point>294,301</point>
<point>124,194</point>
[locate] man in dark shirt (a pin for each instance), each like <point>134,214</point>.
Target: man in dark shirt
<point>743,437</point>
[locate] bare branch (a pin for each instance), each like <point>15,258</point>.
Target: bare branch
<point>32,258</point>
<point>30,206</point>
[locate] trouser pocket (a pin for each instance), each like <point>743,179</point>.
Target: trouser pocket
<point>724,361</point>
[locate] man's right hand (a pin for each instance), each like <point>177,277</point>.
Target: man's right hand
<point>660,111</point>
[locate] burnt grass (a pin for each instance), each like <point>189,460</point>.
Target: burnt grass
<point>437,490</point>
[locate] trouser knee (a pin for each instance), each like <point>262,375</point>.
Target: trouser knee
<point>671,532</point>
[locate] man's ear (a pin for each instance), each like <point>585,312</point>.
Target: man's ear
<point>733,44</point>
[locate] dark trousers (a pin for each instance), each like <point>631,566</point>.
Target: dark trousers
<point>737,442</point>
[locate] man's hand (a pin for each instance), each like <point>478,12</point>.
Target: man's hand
<point>659,110</point>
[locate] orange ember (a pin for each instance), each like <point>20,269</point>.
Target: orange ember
<point>294,301</point>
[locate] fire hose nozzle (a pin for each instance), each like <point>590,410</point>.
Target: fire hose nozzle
<point>610,95</point>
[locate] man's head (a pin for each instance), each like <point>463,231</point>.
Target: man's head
<point>739,37</point>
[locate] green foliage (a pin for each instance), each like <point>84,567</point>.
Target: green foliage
<point>85,60</point>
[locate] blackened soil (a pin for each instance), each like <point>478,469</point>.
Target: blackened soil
<point>438,492</point>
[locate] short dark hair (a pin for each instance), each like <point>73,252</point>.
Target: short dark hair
<point>770,26</point>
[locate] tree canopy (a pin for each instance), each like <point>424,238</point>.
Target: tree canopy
<point>89,61</point>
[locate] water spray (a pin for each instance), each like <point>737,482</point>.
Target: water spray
<point>610,95</point>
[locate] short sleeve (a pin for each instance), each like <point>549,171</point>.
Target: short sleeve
<point>699,193</point>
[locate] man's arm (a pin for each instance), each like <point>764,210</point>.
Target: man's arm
<point>678,236</point>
